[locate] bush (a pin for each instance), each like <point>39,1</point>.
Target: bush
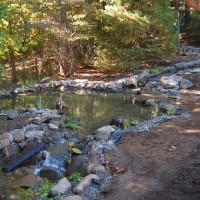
<point>193,28</point>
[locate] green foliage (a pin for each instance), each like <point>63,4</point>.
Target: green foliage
<point>44,190</point>
<point>126,122</point>
<point>193,28</point>
<point>23,194</point>
<point>126,32</point>
<point>156,69</point>
<point>171,110</point>
<point>75,177</point>
<point>71,124</point>
<point>1,72</point>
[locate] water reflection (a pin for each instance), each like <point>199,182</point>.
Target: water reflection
<point>93,110</point>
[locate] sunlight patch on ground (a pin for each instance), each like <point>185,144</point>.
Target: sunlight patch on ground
<point>196,110</point>
<point>194,92</point>
<point>189,131</point>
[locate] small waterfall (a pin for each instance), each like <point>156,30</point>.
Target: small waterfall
<point>54,157</point>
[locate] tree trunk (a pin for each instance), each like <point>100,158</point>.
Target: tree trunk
<point>13,66</point>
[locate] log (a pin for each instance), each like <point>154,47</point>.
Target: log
<point>24,157</point>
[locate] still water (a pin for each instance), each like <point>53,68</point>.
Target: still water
<point>92,111</point>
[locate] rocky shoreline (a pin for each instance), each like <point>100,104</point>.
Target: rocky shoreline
<point>48,126</point>
<point>123,85</point>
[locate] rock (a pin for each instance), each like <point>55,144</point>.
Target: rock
<point>93,157</point>
<point>75,197</point>
<point>78,164</point>
<point>28,181</point>
<point>34,131</point>
<point>42,119</point>
<point>8,136</point>
<point>96,169</point>
<point>62,186</point>
<point>117,121</point>
<point>85,182</point>
<point>49,173</point>
<point>12,115</point>
<point>53,127</point>
<point>185,84</point>
<point>54,138</point>
<point>150,102</point>
<point>22,145</point>
<point>5,94</point>
<point>170,82</point>
<point>104,132</point>
<point>13,150</point>
<point>18,136</point>
<point>59,121</point>
<point>32,110</point>
<point>60,104</point>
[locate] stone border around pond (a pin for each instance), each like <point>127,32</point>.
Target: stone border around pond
<point>126,84</point>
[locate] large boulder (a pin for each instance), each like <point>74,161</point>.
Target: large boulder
<point>61,187</point>
<point>104,132</point>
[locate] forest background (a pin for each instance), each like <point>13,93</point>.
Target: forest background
<point>46,38</point>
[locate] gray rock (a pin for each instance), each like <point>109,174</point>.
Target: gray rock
<point>96,169</point>
<point>170,82</point>
<point>53,126</point>
<point>9,136</point>
<point>13,115</point>
<point>41,119</point>
<point>185,84</point>
<point>34,131</point>
<point>32,110</point>
<point>85,182</point>
<point>104,132</point>
<point>75,197</point>
<point>62,186</point>
<point>150,102</point>
<point>13,150</point>
<point>18,136</point>
<point>117,121</point>
<point>28,181</point>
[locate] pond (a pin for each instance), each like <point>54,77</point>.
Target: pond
<point>91,111</point>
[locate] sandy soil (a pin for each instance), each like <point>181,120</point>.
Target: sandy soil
<point>164,163</point>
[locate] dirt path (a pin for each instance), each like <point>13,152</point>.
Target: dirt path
<point>164,163</point>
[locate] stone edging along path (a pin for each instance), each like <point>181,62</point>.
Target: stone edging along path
<point>122,85</point>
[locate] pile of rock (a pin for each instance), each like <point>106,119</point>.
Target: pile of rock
<point>190,50</point>
<point>47,126</point>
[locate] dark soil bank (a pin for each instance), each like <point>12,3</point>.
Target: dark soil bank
<point>164,163</point>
